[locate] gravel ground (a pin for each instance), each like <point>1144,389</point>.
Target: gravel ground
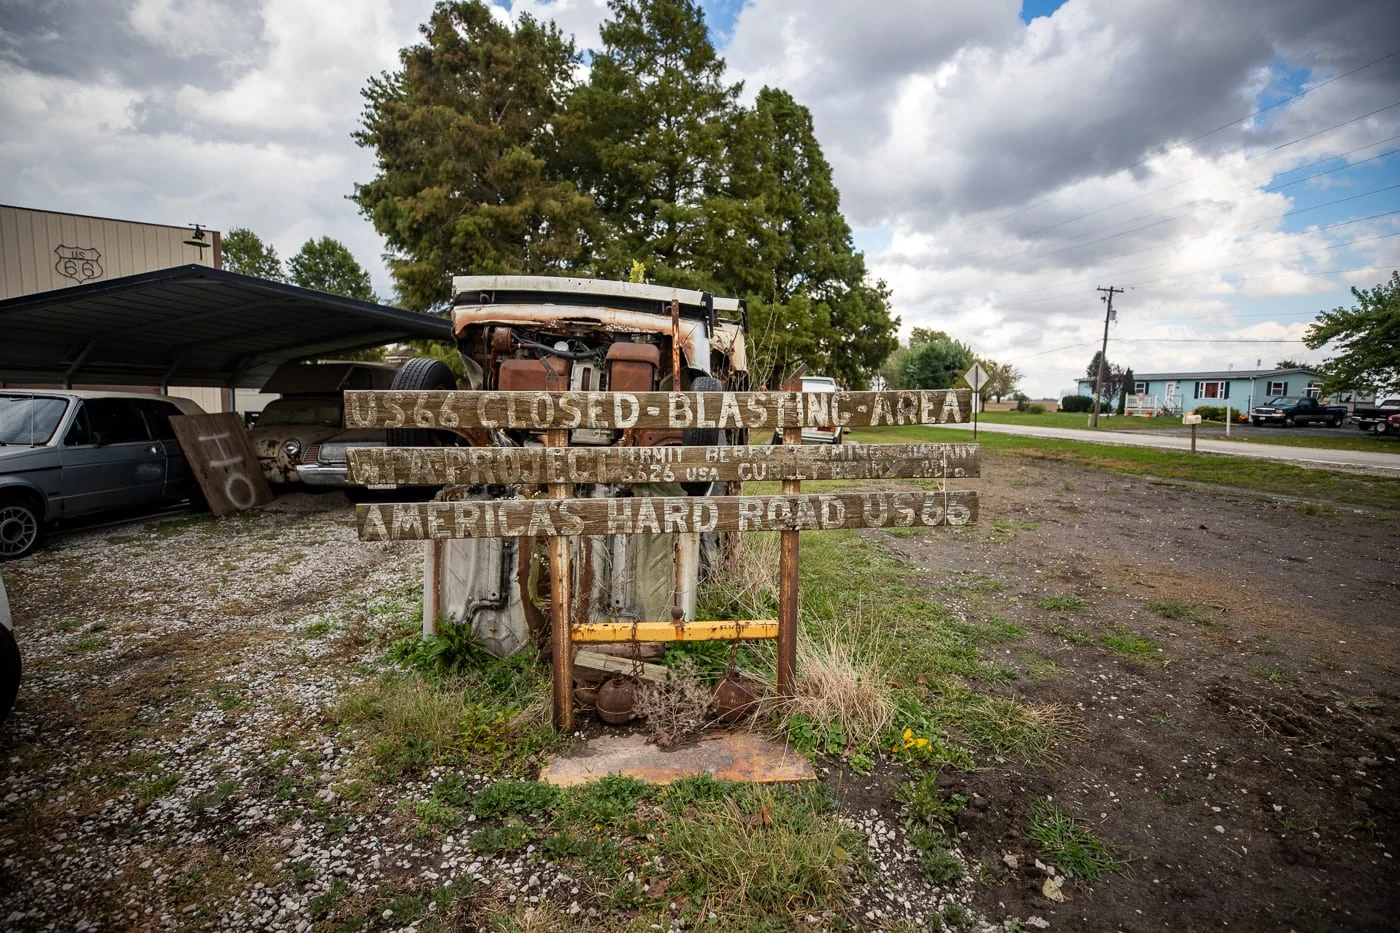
<point>171,763</point>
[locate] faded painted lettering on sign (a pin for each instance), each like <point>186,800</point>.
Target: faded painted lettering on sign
<point>436,466</point>
<point>541,411</point>
<point>496,518</point>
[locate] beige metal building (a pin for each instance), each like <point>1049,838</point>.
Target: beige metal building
<point>44,251</point>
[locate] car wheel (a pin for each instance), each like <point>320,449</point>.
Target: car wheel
<point>19,527</point>
<point>702,437</point>
<point>1287,421</point>
<point>422,374</point>
<point>1331,422</point>
<point>10,667</point>
<point>1256,422</point>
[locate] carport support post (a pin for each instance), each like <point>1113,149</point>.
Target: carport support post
<point>560,636</point>
<point>787,580</point>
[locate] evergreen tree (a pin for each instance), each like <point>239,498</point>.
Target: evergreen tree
<point>777,236</point>
<point>464,135</point>
<point>244,252</point>
<point>647,134</point>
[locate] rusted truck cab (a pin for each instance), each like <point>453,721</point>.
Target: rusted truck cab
<point>537,333</point>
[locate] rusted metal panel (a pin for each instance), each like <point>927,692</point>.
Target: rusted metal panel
<point>471,466</point>
<point>757,411</point>
<point>497,518</point>
<point>694,630</point>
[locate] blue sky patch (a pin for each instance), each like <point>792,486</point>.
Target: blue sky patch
<point>1030,9</point>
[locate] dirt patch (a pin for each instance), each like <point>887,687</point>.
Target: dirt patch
<point>1233,664</point>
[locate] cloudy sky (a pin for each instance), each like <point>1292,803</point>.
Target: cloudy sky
<point>1235,166</point>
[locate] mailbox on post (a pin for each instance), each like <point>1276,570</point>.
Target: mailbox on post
<point>553,511</point>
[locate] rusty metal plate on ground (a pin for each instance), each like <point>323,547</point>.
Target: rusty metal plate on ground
<point>731,756</point>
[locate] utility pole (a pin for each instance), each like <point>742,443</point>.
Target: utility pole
<point>1103,351</point>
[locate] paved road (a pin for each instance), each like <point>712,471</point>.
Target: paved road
<point>1369,461</point>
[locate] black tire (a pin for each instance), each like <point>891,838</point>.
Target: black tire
<point>1257,422</point>
<point>21,526</point>
<point>10,668</point>
<point>1332,422</point>
<point>1287,421</point>
<point>702,437</point>
<point>422,374</point>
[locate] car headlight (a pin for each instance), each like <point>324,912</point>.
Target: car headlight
<point>292,448</point>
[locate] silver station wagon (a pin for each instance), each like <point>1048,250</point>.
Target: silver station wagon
<point>69,454</point>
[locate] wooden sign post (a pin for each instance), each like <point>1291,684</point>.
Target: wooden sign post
<point>558,467</point>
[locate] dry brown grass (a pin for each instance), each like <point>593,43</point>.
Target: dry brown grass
<point>843,683</point>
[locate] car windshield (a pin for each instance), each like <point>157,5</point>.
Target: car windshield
<point>30,419</point>
<point>301,411</point>
<point>1284,400</point>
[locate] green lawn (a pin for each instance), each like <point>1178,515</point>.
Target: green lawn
<point>1265,476</point>
<point>1345,438</point>
<point>1069,419</point>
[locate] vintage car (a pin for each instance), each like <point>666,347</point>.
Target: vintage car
<point>67,454</point>
<point>311,410</point>
<point>537,333</point>
<point>324,463</point>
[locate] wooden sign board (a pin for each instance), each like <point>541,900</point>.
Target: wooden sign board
<point>471,466</point>
<point>757,411</point>
<point>223,462</point>
<point>513,518</point>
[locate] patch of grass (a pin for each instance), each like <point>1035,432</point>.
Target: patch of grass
<point>937,861</point>
<point>1011,525</point>
<point>925,805</point>
<point>1182,612</point>
<point>1275,676</point>
<point>436,814</point>
<point>512,837</point>
<point>412,724</point>
<point>517,798</point>
<point>1069,845</point>
<point>1133,647</point>
<point>1037,668</point>
<point>998,630</point>
<point>156,787</point>
<point>1069,633</point>
<point>218,795</point>
<point>762,856</point>
<point>92,643</point>
<point>316,629</point>
<point>608,803</point>
<point>1063,604</point>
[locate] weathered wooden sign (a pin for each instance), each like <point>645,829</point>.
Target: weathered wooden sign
<point>541,411</point>
<point>513,518</point>
<point>558,467</point>
<point>221,456</point>
<point>470,466</point>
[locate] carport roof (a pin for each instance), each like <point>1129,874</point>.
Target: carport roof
<point>189,326</point>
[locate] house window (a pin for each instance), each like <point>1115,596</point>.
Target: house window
<point>1313,390</point>
<point>1212,390</point>
<point>1139,388</point>
<point>1277,388</point>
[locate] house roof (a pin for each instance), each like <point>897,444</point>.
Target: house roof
<point>1217,374</point>
<point>189,326</point>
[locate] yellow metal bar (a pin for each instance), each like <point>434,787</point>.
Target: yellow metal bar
<point>725,630</point>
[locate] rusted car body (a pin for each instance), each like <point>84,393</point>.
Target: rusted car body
<point>311,410</point>
<point>529,333</point>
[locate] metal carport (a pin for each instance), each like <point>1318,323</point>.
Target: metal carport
<point>189,326</point>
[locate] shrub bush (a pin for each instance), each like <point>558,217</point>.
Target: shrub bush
<point>1211,412</point>
<point>1077,403</point>
<point>1036,409</point>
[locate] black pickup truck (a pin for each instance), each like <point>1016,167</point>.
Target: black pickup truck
<point>1289,410</point>
<point>1380,419</point>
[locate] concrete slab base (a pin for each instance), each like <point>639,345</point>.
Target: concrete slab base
<point>731,756</point>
